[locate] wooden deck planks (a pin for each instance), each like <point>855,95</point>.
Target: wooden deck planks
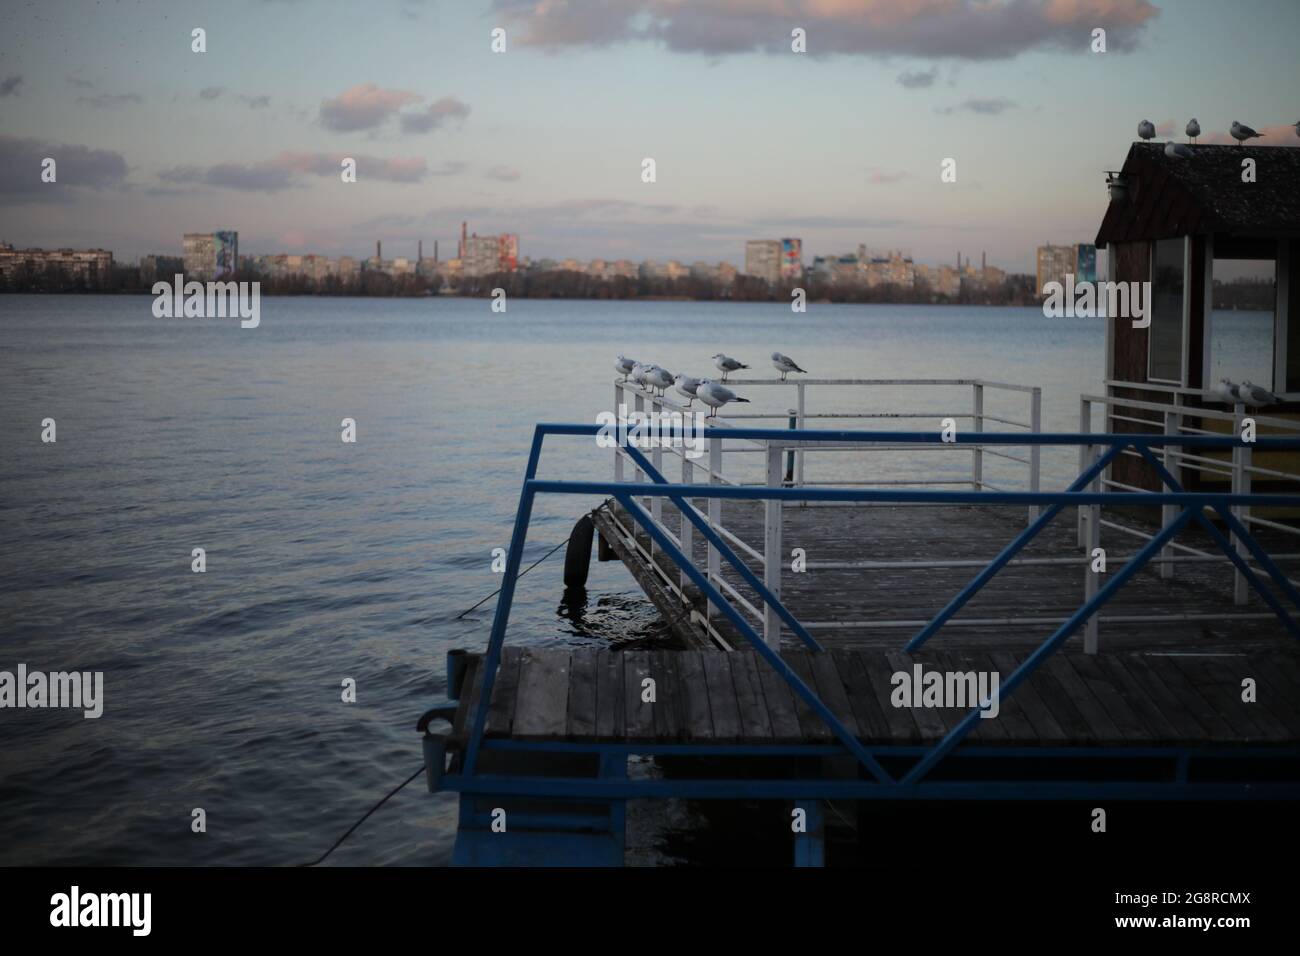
<point>1072,699</point>
<point>542,704</point>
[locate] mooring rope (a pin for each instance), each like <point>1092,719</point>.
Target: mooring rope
<point>364,818</point>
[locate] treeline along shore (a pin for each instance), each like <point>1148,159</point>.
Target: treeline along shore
<point>1015,290</point>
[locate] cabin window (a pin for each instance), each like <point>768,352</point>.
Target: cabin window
<point>1165,340</point>
<point>1244,297</point>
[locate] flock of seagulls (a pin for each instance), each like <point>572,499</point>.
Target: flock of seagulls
<point>711,393</point>
<point>1244,394</point>
<point>1239,131</point>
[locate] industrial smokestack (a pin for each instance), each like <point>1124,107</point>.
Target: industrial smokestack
<point>435,251</point>
<point>984,262</point>
<point>419,251</point>
<point>379,249</point>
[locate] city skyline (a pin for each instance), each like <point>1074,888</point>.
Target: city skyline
<point>841,145</point>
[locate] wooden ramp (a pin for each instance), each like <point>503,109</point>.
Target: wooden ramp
<point>851,608</point>
<point>1113,699</point>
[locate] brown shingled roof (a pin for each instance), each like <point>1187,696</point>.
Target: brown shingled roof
<point>1205,194</point>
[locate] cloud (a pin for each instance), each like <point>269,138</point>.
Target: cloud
<point>259,102</point>
<point>283,170</point>
<point>211,92</point>
<point>986,106</point>
<point>918,79</point>
<point>1167,127</point>
<point>364,106</point>
<point>435,115</point>
<point>9,85</point>
<point>76,166</point>
<point>449,168</point>
<point>80,83</point>
<point>965,29</point>
<point>110,101</point>
<point>504,174</point>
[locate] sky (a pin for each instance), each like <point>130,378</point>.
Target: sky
<point>841,145</point>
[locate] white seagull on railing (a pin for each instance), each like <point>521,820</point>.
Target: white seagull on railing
<point>725,364</point>
<point>688,387</point>
<point>659,378</point>
<point>1227,391</point>
<point>1147,129</point>
<point>1193,129</point>
<point>639,373</point>
<point>1255,396</point>
<point>624,366</point>
<point>715,395</point>
<point>785,365</point>
<point>1241,132</point>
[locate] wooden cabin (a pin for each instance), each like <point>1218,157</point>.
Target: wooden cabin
<point>1170,220</point>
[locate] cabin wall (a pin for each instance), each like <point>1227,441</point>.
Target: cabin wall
<point>1129,353</point>
<point>1132,264</point>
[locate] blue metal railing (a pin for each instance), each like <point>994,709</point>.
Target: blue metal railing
<point>1191,505</point>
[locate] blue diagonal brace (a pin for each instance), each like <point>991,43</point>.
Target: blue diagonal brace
<point>1049,646</point>
<point>1226,547</point>
<point>693,515</point>
<point>810,698</point>
<point>1009,552</point>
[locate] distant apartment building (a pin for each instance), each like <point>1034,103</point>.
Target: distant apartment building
<point>940,280</point>
<point>485,255</point>
<point>763,259</point>
<point>94,267</point>
<point>210,255</point>
<point>791,268</point>
<point>894,267</point>
<point>1056,262</point>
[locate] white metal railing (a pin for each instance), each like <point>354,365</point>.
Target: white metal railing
<point>796,474</point>
<point>1171,417</point>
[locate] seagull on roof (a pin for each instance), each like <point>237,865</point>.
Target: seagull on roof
<point>1178,151</point>
<point>688,387</point>
<point>1147,129</point>
<point>1255,396</point>
<point>1241,132</point>
<point>726,364</point>
<point>659,378</point>
<point>715,395</point>
<point>1297,127</point>
<point>624,366</point>
<point>785,365</point>
<point>1193,129</point>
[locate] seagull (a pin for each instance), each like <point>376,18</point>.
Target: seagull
<point>1147,129</point>
<point>1178,151</point>
<point>659,378</point>
<point>715,395</point>
<point>1241,132</point>
<point>1255,396</point>
<point>639,373</point>
<point>1226,390</point>
<point>687,386</point>
<point>1193,129</point>
<point>1297,128</point>
<point>624,366</point>
<point>785,365</point>
<point>725,364</point>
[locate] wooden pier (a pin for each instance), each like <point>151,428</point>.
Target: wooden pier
<point>1120,699</point>
<point>872,608</point>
